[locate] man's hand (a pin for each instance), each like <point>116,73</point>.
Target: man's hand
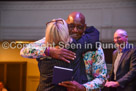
<point>61,54</point>
<point>111,84</point>
<point>72,86</point>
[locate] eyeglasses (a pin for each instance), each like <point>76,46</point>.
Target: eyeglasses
<point>56,21</point>
<point>72,26</point>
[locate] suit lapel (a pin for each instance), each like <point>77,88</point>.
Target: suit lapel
<point>125,52</point>
<point>115,56</point>
<point>122,57</point>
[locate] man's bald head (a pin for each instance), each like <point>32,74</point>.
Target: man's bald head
<point>76,17</point>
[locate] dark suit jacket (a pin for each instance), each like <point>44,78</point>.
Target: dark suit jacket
<point>126,72</point>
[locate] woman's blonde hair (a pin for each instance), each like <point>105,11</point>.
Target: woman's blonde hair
<point>56,32</point>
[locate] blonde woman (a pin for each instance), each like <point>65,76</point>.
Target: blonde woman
<point>57,33</point>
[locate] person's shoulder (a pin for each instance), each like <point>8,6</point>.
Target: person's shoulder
<point>132,51</point>
<point>41,40</point>
<point>91,29</point>
<point>131,47</point>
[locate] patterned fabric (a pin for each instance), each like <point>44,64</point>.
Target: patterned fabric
<point>34,50</point>
<point>96,69</point>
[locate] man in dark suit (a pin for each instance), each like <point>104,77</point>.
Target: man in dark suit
<point>123,73</point>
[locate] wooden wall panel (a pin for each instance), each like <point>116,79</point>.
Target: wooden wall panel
<point>14,75</point>
<point>2,72</point>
